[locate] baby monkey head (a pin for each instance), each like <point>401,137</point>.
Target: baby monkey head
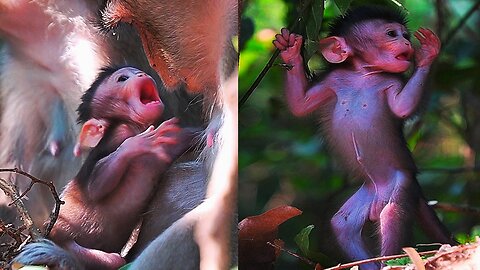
<point>370,36</point>
<point>122,94</point>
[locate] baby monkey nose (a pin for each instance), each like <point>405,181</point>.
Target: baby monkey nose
<point>407,42</point>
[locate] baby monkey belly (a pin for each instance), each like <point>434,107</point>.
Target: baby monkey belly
<point>369,144</point>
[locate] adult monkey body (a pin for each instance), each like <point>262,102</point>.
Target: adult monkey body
<point>361,103</point>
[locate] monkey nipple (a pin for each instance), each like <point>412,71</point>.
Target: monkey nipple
<point>55,148</point>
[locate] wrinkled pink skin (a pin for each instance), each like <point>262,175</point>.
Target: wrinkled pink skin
<point>361,106</point>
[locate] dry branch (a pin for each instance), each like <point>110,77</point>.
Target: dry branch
<point>25,232</point>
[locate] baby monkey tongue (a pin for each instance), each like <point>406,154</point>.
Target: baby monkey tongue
<point>148,94</point>
<point>404,56</point>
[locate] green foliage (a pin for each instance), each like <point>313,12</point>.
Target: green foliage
<point>343,5</point>
<point>313,25</point>
<point>464,238</point>
<point>125,267</point>
<point>303,241</point>
<point>400,261</point>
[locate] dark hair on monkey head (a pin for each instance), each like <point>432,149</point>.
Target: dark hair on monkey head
<point>84,110</point>
<point>342,25</point>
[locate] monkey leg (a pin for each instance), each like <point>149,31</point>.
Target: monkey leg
<point>396,217</point>
<point>431,224</point>
<point>74,257</point>
<point>90,258</point>
<point>348,222</point>
<point>93,258</point>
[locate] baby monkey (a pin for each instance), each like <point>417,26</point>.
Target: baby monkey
<point>103,203</point>
<point>362,102</point>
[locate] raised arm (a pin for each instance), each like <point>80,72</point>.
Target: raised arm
<point>404,102</point>
<point>301,100</point>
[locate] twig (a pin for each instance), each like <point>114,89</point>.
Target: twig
<point>11,192</point>
<point>259,78</point>
<point>271,60</point>
<point>383,258</point>
<point>50,185</point>
<point>461,23</point>
<point>11,231</point>
<point>440,16</point>
<point>451,170</point>
<point>348,265</point>
<point>457,208</point>
<point>305,260</point>
<point>19,236</point>
<point>9,250</point>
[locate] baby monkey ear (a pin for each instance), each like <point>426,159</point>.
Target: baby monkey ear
<point>90,135</point>
<point>335,49</point>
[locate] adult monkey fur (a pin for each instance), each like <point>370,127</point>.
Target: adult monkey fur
<point>51,54</point>
<point>361,103</point>
<point>207,29</point>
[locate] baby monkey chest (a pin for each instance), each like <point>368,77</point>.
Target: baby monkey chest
<point>361,106</point>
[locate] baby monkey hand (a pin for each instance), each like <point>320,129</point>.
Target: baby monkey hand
<point>429,49</point>
<point>289,45</point>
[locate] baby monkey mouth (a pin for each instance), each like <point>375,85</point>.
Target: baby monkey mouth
<point>405,56</point>
<point>148,93</point>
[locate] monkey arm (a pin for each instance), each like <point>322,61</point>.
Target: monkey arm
<point>110,170</point>
<point>302,101</point>
<point>161,146</point>
<point>404,102</point>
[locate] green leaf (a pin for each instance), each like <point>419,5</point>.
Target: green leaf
<point>311,47</point>
<point>343,5</point>
<point>313,25</point>
<point>398,262</point>
<point>303,241</point>
<point>125,267</point>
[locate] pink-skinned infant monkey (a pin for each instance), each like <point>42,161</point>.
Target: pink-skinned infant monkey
<point>103,203</point>
<point>361,103</point>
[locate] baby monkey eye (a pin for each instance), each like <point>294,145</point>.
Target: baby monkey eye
<point>391,33</point>
<point>122,78</point>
